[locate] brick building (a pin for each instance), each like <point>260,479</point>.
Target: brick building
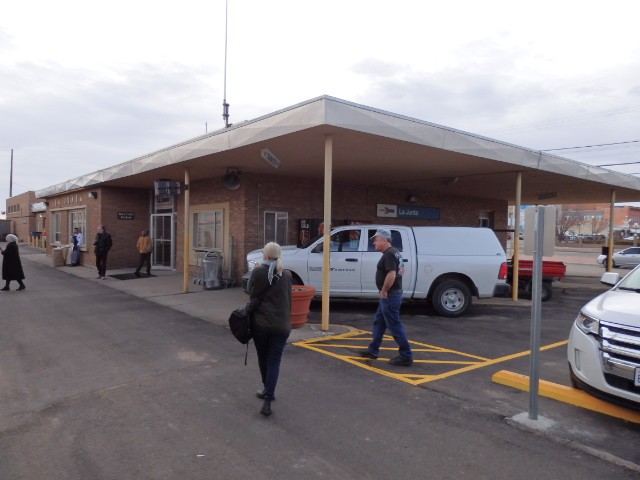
<point>27,214</point>
<point>251,183</point>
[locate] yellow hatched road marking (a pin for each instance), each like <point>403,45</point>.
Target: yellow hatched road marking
<point>351,340</point>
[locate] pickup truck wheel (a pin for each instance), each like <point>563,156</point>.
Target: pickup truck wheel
<point>545,294</point>
<point>451,298</point>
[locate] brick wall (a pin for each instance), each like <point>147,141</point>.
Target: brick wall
<point>24,222</point>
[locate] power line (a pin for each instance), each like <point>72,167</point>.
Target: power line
<point>591,146</point>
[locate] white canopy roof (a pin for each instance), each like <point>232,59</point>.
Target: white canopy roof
<point>371,147</point>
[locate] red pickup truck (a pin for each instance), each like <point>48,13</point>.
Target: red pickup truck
<point>550,271</point>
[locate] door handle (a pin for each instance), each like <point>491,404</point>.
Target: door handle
<point>350,259</point>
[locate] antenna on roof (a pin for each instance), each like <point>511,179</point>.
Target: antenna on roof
<point>225,105</point>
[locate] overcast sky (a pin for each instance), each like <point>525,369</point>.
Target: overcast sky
<point>85,85</point>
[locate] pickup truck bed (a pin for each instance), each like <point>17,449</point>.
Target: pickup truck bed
<point>551,271</point>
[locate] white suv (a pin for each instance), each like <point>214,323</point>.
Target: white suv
<point>604,343</point>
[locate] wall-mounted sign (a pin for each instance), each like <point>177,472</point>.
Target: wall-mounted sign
<point>126,215</point>
<point>386,210</point>
<point>408,211</point>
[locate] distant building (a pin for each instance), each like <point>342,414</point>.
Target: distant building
<point>593,219</point>
<point>27,213</point>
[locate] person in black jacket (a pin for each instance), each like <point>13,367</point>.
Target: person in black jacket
<point>102,246</point>
<point>271,320</point>
<point>11,264</point>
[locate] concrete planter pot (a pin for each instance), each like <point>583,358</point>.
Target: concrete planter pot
<point>301,296</point>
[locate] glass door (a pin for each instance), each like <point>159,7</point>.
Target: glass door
<point>163,235</point>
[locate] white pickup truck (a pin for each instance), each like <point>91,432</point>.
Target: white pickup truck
<point>446,265</point>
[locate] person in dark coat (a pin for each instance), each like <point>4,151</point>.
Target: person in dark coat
<point>271,320</point>
<point>11,264</point>
<point>102,245</point>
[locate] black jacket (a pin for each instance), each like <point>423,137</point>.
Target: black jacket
<point>273,315</point>
<point>102,243</point>
<point>11,264</point>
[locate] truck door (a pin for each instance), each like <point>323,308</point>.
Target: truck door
<point>345,263</point>
<point>400,240</point>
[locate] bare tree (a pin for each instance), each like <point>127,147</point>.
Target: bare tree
<point>565,221</point>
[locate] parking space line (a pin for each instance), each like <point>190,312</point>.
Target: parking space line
<point>566,394</point>
<point>360,339</point>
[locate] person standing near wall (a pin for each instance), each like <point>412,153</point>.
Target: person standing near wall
<point>145,248</point>
<point>11,264</point>
<point>102,244</point>
<point>78,241</point>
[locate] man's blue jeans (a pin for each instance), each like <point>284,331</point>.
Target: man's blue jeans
<point>269,348</point>
<point>388,317</point>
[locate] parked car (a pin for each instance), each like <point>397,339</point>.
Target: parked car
<point>629,257</point>
<point>604,343</point>
<point>446,265</point>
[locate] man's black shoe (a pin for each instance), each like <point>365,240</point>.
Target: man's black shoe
<point>367,354</point>
<point>137,274</point>
<point>401,361</point>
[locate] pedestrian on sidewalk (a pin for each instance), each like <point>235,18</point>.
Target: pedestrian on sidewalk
<point>271,320</point>
<point>389,282</point>
<point>144,246</point>
<point>102,244</point>
<point>11,264</point>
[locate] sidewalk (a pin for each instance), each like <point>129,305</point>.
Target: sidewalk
<point>165,288</point>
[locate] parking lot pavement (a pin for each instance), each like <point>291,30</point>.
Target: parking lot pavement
<point>458,357</point>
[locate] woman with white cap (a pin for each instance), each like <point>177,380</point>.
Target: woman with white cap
<point>11,264</point>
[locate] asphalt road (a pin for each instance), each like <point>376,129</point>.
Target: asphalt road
<point>97,384</point>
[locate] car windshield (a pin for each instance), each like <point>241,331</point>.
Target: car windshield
<point>631,281</point>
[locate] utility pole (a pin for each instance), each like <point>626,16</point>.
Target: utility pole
<point>11,176</point>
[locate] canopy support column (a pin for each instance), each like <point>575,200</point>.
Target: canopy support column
<point>326,250</point>
<point>516,238</point>
<point>610,239</point>
<point>185,238</point>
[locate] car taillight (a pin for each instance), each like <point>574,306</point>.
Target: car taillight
<point>503,271</point>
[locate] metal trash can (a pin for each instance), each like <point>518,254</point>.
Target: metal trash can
<point>212,271</point>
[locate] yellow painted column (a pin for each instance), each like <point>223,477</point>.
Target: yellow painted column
<point>186,240</point>
<point>610,243</point>
<point>516,237</point>
<point>326,250</point>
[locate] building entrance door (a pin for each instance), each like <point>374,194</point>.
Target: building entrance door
<point>163,235</point>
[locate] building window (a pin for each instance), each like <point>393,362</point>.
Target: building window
<point>78,219</point>
<point>55,227</point>
<point>485,219</point>
<point>208,230</point>
<point>276,227</point>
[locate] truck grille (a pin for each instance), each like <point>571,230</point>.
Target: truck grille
<point>620,355</point>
